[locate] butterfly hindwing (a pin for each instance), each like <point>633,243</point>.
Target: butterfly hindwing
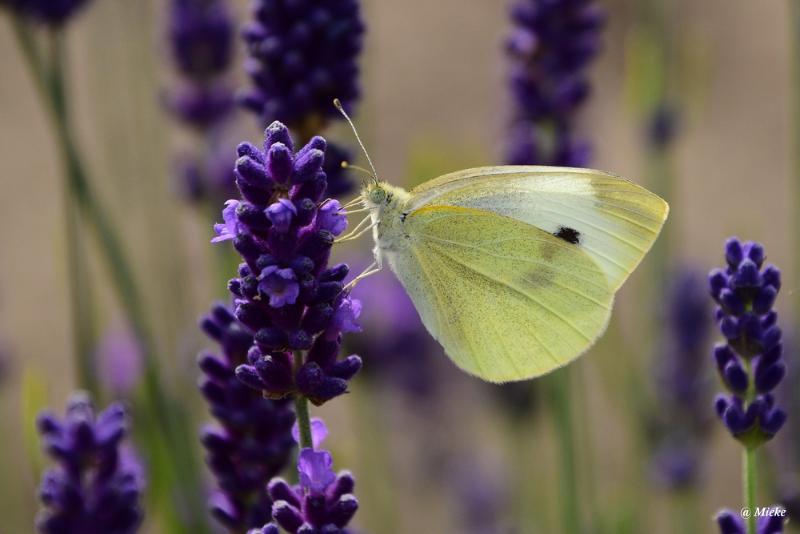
<point>507,300</point>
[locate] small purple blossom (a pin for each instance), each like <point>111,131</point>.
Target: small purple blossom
<point>280,285</point>
<point>228,229</point>
<point>332,218</point>
<point>281,214</point>
<point>97,483</point>
<point>345,318</point>
<point>319,432</point>
<point>316,470</point>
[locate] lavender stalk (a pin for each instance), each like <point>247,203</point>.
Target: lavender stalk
<point>750,366</point>
<point>296,306</point>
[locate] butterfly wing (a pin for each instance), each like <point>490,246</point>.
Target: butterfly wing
<point>615,221</point>
<point>507,300</point>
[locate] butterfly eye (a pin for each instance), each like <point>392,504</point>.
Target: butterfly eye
<point>377,195</point>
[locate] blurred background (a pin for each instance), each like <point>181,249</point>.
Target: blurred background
<point>432,449</point>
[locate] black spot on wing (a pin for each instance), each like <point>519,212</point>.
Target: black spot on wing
<point>570,235</point>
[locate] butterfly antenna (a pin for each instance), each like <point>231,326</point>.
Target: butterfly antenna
<point>348,165</point>
<point>339,106</point>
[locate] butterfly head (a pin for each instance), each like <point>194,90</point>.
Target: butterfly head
<point>380,195</point>
<point>375,194</point>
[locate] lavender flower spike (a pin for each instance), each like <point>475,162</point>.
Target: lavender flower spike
<point>732,523</point>
<point>680,423</point>
<point>302,56</point>
<point>550,46</point>
<point>251,440</point>
<point>201,34</point>
<point>322,502</point>
<point>286,293</point>
<point>96,486</point>
<point>750,363</point>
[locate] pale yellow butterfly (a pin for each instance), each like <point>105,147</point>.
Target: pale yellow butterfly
<point>513,269</point>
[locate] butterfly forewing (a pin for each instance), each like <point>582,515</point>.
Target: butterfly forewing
<point>613,220</point>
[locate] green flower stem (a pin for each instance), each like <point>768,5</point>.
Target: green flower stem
<point>565,434</point>
<point>749,458</point>
<point>749,477</point>
<point>303,421</point>
<point>77,266</point>
<point>301,410</point>
<point>173,426</point>
<point>794,33</point>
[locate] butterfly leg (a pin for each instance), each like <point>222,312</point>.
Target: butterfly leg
<point>374,267</point>
<point>358,231</point>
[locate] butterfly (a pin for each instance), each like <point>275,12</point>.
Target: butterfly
<point>513,269</point>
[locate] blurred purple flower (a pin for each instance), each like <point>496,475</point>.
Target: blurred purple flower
<point>119,358</point>
<point>732,523</point>
<point>481,497</point>
<point>663,127</point>
<point>750,363</point>
<point>302,56</point>
<point>252,440</point>
<point>550,46</point>
<point>682,383</point>
<point>201,34</point>
<point>286,292</point>
<point>209,176</point>
<point>397,349</point>
<point>50,12</point>
<point>97,484</point>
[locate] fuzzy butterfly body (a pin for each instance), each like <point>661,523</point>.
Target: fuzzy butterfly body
<point>513,269</point>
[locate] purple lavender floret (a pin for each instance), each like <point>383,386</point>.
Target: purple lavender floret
<point>51,12</point>
<point>551,45</point>
<point>323,501</point>
<point>732,523</point>
<point>750,363</point>
<point>302,56</point>
<point>286,292</point>
<point>251,440</point>
<point>97,484</point>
